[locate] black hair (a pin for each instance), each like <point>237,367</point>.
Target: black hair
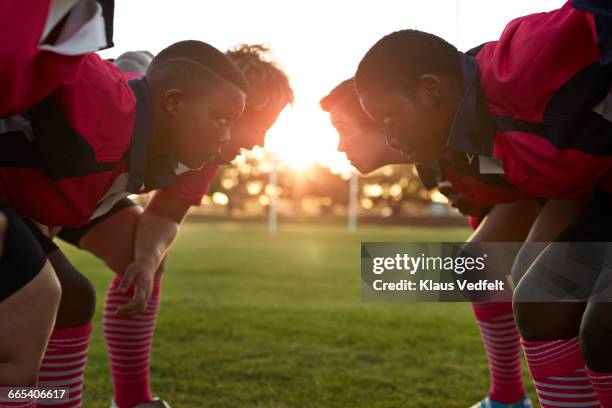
<point>399,59</point>
<point>262,73</point>
<point>192,58</point>
<point>344,96</point>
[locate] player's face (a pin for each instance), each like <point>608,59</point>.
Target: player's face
<point>363,145</point>
<point>260,114</point>
<point>413,123</point>
<point>202,123</point>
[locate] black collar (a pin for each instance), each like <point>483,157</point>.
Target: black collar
<point>473,130</point>
<point>146,174</point>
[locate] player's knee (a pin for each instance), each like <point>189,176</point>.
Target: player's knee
<point>78,300</point>
<point>542,321</point>
<point>118,260</point>
<point>525,316</point>
<point>595,340</point>
<point>532,323</point>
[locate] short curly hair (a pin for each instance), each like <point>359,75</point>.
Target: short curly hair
<point>344,96</point>
<point>262,73</point>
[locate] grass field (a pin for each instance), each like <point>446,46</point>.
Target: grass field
<point>249,320</point>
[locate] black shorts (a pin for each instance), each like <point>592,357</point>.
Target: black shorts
<point>22,257</point>
<point>73,235</point>
<point>45,242</point>
<point>594,224</point>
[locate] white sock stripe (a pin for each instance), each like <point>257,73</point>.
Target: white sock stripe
<point>505,365</point>
<point>498,318</point>
<point>540,384</point>
<point>499,325</point>
<point>508,348</point>
<point>108,334</point>
<point>114,303</point>
<point>563,395</point>
<point>137,373</point>
<point>112,312</point>
<point>72,386</point>
<point>65,356</point>
<point>507,374</point>
<point>124,358</point>
<point>75,340</point>
<point>67,364</point>
<point>599,377</point>
<point>551,355</point>
<point>499,340</point>
<point>130,343</point>
<point>79,370</point>
<point>116,295</point>
<point>568,378</point>
<point>114,321</point>
<point>112,328</point>
<point>139,317</point>
<point>71,382</point>
<point>497,332</point>
<point>130,350</point>
<point>569,404</point>
<point>504,317</point>
<point>504,358</point>
<point>549,346</point>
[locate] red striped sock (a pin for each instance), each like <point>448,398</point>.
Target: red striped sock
<point>602,383</point>
<point>559,375</point>
<point>17,404</point>
<point>503,347</point>
<point>64,364</point>
<point>129,340</point>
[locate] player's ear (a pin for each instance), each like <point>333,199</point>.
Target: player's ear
<point>174,99</point>
<point>428,90</point>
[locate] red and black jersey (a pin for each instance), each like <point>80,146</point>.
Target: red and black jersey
<point>535,112</point>
<point>73,155</point>
<point>80,133</point>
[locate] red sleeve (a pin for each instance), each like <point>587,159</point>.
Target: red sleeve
<point>193,185</point>
<point>28,73</point>
<point>474,221</point>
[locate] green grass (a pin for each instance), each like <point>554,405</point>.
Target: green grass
<point>249,320</point>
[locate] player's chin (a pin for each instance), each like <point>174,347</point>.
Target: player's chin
<point>361,167</point>
<point>226,157</point>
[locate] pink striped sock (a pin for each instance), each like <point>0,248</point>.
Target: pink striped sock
<point>503,347</point>
<point>64,363</point>
<point>559,375</point>
<point>602,383</point>
<point>129,340</point>
<point>17,404</point>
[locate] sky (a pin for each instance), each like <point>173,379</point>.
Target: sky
<point>318,43</point>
